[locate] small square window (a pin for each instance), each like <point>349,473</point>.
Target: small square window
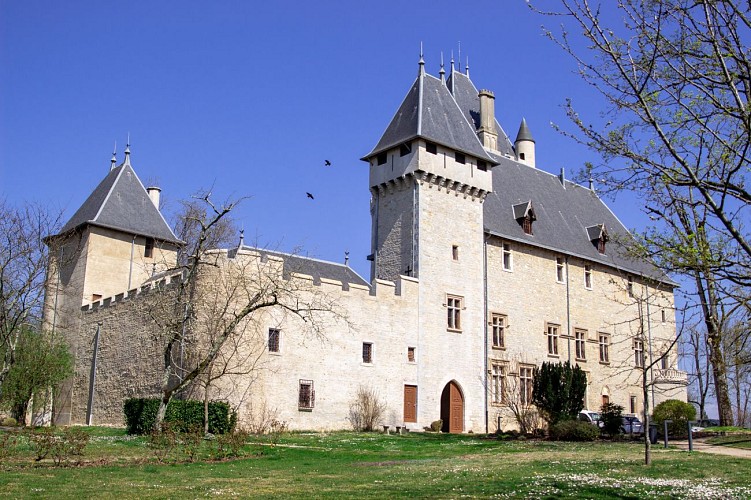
<point>367,352</point>
<point>482,165</point>
<point>382,158</point>
<point>460,158</point>
<point>411,354</point>
<point>455,252</point>
<point>274,340</point>
<point>431,148</point>
<point>405,149</point>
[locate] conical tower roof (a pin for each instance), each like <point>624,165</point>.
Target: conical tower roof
<point>524,134</point>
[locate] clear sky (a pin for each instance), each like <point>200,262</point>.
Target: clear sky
<point>252,97</point>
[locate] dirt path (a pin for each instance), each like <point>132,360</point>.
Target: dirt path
<point>700,445</point>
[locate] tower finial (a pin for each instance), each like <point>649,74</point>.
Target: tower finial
<point>113,161</point>
<point>346,257</point>
<point>460,56</point>
<point>466,68</point>
<point>421,63</point>
<point>452,60</point>
<point>443,71</point>
<point>127,152</point>
<point>242,238</point>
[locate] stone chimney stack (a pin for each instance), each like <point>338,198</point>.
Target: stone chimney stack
<point>154,193</point>
<point>487,131</point>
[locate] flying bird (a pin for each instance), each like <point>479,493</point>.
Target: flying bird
<point>310,195</point>
<point>327,163</point>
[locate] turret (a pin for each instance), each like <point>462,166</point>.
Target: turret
<point>525,145</point>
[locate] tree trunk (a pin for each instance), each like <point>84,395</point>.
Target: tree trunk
<point>647,423</point>
<point>719,373</point>
<point>162,411</point>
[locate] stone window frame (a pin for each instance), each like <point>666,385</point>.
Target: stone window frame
<point>274,341</point>
<point>367,353</point>
<point>411,354</point>
<point>603,344</point>
<point>560,270</point>
<point>552,335</point>
<point>498,374</point>
<point>638,346</point>
<point>454,306</point>
<point>507,257</point>
<point>306,395</point>
<point>580,344</point>
<point>526,384</point>
<point>498,328</point>
<point>588,276</point>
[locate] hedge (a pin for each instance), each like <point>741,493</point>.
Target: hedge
<point>140,414</point>
<point>574,430</point>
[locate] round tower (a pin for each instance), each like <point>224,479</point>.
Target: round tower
<point>525,145</point>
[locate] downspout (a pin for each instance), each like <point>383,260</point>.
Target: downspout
<point>130,270</point>
<point>651,368</point>
<point>92,377</point>
<point>485,325</point>
<point>568,313</point>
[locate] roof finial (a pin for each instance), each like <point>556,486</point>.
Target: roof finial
<point>591,183</point>
<point>443,71</point>
<point>346,257</point>
<point>460,56</point>
<point>242,238</point>
<point>127,152</point>
<point>421,62</point>
<point>466,68</point>
<point>452,60</point>
<point>113,161</point>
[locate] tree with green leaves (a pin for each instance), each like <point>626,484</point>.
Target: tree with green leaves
<point>558,391</point>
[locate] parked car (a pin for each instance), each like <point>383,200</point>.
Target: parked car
<point>702,424</point>
<point>591,417</point>
<point>631,425</point>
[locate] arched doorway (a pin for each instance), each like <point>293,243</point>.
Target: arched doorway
<point>452,408</point>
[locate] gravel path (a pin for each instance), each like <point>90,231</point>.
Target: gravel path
<point>700,445</point>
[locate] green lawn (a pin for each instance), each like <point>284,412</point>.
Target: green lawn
<point>347,465</point>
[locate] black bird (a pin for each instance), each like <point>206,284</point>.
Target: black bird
<point>327,163</point>
<point>310,196</point>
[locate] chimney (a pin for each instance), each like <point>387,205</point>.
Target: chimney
<point>154,195</point>
<point>487,132</point>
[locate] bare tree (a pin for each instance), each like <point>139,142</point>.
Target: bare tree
<point>23,267</point>
<point>219,296</point>
<point>676,77</point>
<point>516,397</point>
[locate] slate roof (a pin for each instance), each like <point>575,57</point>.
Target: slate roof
<point>467,97</point>
<point>121,202</point>
<point>563,217</point>
<point>430,111</point>
<point>313,267</point>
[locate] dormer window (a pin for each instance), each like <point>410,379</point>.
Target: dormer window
<point>525,216</point>
<point>598,235</point>
<point>405,149</point>
<point>460,158</point>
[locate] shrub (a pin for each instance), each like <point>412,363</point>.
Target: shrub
<point>231,443</point>
<point>677,411</point>
<point>140,414</point>
<point>558,391</point>
<point>163,441</point>
<point>366,411</point>
<point>9,422</point>
<point>610,416</point>
<point>573,430</point>
<point>8,441</point>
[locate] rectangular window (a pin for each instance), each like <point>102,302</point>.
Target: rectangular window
<point>482,165</point>
<point>382,158</point>
<point>527,225</point>
<point>507,262</point>
<point>498,323</point>
<point>604,342</point>
<point>405,149</point>
<point>632,404</point>
<point>581,344</point>
<point>560,274</point>
<point>552,334</point>
<point>497,383</point>
<point>664,315</point>
<point>455,252</point>
<point>367,352</point>
<point>274,340</point>
<point>630,286</point>
<point>460,158</point>
<point>638,353</point>
<point>306,395</point>
<point>431,148</point>
<point>411,354</point>
<point>454,308</point>
<point>588,277</point>
<point>148,251</point>
<point>525,385</point>
<point>664,362</point>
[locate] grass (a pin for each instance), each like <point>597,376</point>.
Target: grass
<point>347,465</point>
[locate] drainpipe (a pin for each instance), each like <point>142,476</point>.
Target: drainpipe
<point>92,377</point>
<point>568,313</point>
<point>651,368</point>
<point>485,325</point>
<point>130,270</point>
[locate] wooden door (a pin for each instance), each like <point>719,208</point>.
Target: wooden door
<point>456,412</point>
<point>410,403</point>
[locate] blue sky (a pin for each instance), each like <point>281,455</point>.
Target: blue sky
<point>252,97</point>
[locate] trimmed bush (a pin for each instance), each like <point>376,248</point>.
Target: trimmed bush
<point>140,414</point>
<point>574,430</point>
<point>610,416</point>
<point>677,411</point>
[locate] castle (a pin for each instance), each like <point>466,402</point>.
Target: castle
<point>482,267</point>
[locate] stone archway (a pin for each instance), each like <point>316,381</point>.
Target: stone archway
<point>452,408</point>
